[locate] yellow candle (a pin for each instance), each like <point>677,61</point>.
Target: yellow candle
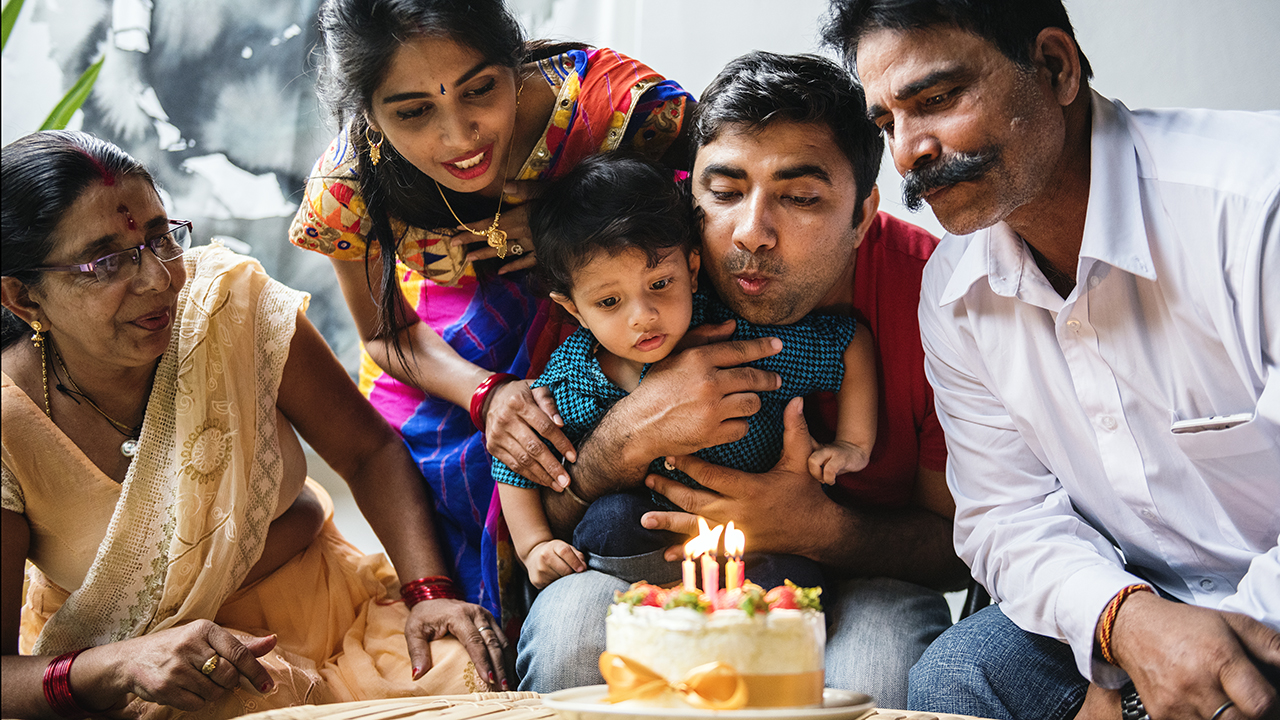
<point>690,579</point>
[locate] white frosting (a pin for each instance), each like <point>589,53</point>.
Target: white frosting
<point>674,641</point>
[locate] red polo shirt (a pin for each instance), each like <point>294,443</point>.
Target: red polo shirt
<point>886,289</point>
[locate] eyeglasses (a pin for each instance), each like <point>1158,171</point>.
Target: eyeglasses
<point>123,265</point>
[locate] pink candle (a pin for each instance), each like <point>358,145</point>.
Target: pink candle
<point>710,573</point>
<point>734,570</point>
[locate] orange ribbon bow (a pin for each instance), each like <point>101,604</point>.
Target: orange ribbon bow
<point>714,686</point>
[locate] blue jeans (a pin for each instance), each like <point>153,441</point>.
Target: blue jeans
<point>611,530</point>
<point>989,667</point>
<point>876,630</point>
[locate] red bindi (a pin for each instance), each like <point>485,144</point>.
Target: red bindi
<point>128,217</point>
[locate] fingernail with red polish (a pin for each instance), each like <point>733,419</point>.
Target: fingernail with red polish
<point>504,685</point>
<point>490,677</point>
<point>415,673</point>
<point>266,686</point>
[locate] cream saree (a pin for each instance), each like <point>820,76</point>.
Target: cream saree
<point>193,512</point>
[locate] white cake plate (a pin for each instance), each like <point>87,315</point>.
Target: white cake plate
<point>587,703</point>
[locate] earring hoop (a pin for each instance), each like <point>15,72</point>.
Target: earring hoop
<point>375,148</point>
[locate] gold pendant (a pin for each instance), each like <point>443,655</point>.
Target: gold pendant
<point>498,241</point>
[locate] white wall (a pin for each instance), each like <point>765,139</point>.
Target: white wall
<point>1148,53</point>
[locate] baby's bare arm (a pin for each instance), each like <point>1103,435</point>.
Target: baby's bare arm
<point>858,401</point>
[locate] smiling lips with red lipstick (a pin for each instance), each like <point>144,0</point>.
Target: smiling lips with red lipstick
<point>471,165</point>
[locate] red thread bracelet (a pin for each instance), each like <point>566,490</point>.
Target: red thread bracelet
<point>482,392</point>
<point>57,686</point>
<point>428,588</point>
<point>1108,622</point>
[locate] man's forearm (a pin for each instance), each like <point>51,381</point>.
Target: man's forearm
<point>604,466</point>
<point>910,544</point>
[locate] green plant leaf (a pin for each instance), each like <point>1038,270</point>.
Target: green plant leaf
<point>9,17</point>
<point>74,98</point>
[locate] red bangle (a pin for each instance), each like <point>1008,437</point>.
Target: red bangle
<point>482,392</point>
<point>57,686</point>
<point>428,588</point>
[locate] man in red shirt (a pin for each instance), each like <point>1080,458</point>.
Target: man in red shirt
<point>784,181</point>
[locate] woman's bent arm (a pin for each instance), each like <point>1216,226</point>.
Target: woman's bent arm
<point>330,413</point>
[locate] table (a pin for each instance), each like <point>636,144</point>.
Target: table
<point>486,706</point>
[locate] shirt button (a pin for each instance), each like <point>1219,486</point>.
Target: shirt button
<point>1074,325</point>
<point>1146,513</point>
<point>1108,422</point>
<point>1093,281</point>
<point>1207,584</point>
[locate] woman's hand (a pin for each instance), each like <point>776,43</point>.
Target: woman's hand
<point>472,625</point>
<point>517,418</point>
<point>166,667</point>
<point>514,222</point>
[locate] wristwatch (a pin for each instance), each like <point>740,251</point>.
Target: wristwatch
<point>1131,707</point>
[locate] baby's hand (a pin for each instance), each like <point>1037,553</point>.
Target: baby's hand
<point>835,459</point>
<point>553,559</point>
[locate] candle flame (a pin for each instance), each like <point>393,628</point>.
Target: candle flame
<point>735,542</point>
<point>705,542</point>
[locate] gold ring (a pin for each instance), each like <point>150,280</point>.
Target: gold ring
<point>210,665</point>
<point>482,628</point>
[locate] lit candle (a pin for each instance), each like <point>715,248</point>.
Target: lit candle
<point>734,571</point>
<point>710,567</point>
<point>691,548</point>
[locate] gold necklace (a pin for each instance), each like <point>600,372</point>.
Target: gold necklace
<point>496,238</point>
<point>129,447</point>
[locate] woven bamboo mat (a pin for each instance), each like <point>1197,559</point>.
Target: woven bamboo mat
<point>488,706</point>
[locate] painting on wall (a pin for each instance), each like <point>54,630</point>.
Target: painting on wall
<point>216,98</point>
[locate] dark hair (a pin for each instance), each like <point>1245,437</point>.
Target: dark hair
<point>43,174</point>
<point>760,88</point>
<point>610,202</point>
<point>1011,25</point>
<point>359,39</point>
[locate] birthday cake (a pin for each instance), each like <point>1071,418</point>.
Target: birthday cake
<point>735,648</point>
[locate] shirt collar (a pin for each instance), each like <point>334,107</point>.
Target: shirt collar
<point>1114,228</point>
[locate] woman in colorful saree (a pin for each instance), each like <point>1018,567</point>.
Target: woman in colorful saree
<point>181,560</point>
<point>448,115</point>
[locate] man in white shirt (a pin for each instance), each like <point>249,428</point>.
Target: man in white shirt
<point>1102,332</point>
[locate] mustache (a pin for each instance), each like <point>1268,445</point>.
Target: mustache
<point>739,261</point>
<point>956,168</point>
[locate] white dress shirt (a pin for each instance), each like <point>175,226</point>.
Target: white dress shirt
<point>1058,412</point>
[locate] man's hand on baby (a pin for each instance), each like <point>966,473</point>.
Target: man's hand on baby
<point>830,461</point>
<point>553,559</point>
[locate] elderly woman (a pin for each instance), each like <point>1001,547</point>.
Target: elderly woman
<point>152,475</point>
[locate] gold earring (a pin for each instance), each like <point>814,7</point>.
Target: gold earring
<point>375,148</point>
<point>37,339</point>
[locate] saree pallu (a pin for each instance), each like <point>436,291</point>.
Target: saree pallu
<point>604,101</point>
<point>192,515</point>
<point>340,627</point>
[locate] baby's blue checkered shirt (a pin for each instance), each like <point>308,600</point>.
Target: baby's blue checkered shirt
<point>811,360</point>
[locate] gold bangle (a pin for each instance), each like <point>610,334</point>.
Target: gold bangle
<point>568,490</point>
